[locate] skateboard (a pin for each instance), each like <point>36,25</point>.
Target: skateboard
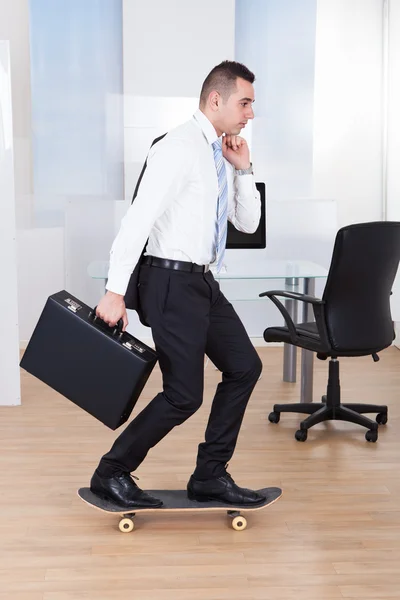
<point>177,500</point>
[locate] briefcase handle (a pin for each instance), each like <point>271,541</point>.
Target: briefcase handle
<point>116,330</point>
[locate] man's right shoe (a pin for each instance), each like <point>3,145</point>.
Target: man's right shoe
<point>222,489</point>
<point>122,490</point>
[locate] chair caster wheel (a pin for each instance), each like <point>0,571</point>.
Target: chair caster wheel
<point>381,418</point>
<point>301,435</point>
<point>274,417</point>
<point>371,435</point>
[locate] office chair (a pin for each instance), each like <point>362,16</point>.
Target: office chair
<point>352,319</point>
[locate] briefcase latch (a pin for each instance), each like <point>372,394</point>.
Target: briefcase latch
<point>133,346</point>
<point>72,305</point>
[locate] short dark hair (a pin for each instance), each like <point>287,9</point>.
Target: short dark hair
<point>222,78</point>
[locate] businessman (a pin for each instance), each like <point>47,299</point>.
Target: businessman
<point>198,177</point>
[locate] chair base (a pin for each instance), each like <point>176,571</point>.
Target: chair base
<point>331,409</point>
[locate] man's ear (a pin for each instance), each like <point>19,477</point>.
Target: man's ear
<point>214,99</point>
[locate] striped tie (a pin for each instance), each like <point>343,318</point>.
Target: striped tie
<point>222,211</point>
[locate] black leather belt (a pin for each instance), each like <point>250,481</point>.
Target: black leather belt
<point>175,265</point>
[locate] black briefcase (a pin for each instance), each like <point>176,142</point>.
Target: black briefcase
<point>97,367</point>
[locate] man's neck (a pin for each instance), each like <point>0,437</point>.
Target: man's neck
<point>209,117</point>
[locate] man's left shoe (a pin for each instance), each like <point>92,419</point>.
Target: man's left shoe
<point>222,489</point>
<point>122,490</point>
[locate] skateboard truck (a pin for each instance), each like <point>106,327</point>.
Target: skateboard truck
<point>239,523</point>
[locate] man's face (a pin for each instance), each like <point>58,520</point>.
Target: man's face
<point>237,109</point>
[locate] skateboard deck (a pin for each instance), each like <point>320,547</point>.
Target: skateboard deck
<point>177,500</point>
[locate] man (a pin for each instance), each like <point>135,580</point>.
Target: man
<point>194,181</point>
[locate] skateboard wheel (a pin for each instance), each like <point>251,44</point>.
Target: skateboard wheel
<point>126,525</point>
<point>239,523</point>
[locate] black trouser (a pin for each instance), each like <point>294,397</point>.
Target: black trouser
<point>190,317</point>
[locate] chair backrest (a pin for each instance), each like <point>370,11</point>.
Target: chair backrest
<point>357,293</point>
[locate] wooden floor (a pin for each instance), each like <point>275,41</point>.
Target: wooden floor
<point>334,534</point>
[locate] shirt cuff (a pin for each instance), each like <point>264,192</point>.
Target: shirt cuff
<point>118,282</point>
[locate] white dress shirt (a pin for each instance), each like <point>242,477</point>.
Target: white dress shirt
<point>176,205</point>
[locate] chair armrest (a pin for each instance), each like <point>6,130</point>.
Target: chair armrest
<point>319,313</point>
<point>288,320</point>
<point>293,296</point>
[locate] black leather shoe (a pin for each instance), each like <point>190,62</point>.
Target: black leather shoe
<point>222,489</point>
<point>122,490</point>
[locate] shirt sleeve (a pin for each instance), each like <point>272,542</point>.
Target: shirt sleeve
<point>168,165</point>
<point>244,205</point>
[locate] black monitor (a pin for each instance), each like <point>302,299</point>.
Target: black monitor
<point>237,239</point>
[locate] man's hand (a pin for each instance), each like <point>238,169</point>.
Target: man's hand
<point>236,151</point>
<point>111,309</point>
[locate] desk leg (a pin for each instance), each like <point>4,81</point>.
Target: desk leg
<point>289,351</point>
<point>307,357</point>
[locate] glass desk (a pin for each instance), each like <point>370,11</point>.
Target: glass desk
<point>256,277</point>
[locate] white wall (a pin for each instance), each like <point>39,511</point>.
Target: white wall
<point>9,338</point>
<point>38,275</point>
<point>349,112</point>
<point>347,108</point>
<point>14,26</point>
<point>393,122</point>
<point>168,49</point>
<point>276,39</point>
<point>393,137</point>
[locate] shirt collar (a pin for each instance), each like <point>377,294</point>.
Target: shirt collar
<point>206,126</point>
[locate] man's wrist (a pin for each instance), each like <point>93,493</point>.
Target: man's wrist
<point>245,170</point>
<point>115,295</point>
